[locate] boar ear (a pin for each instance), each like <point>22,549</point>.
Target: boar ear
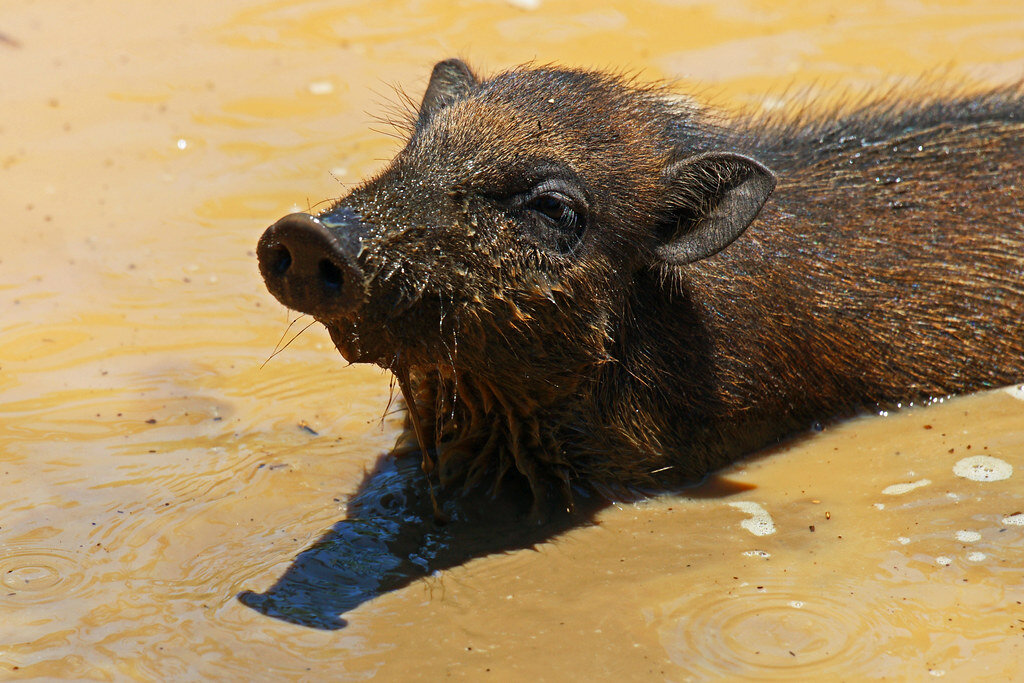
<point>450,80</point>
<point>713,197</point>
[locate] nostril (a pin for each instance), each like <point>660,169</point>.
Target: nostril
<point>311,266</point>
<point>280,260</point>
<point>330,276</point>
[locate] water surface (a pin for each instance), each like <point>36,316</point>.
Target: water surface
<point>154,466</point>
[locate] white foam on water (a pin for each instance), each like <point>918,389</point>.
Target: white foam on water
<point>757,553</point>
<point>968,536</point>
<point>983,468</point>
<point>943,560</point>
<point>1016,519</point>
<point>976,557</point>
<point>760,522</point>
<point>900,489</point>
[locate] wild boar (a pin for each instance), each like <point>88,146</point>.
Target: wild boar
<point>580,278</point>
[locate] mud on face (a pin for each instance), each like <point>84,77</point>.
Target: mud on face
<point>492,262</point>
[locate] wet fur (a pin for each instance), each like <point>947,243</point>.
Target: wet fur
<point>887,267</point>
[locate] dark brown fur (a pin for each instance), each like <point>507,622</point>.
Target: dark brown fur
<point>887,266</point>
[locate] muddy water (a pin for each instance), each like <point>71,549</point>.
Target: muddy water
<point>152,466</point>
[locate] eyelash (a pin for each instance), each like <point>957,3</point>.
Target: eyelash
<point>557,209</point>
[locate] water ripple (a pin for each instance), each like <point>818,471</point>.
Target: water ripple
<point>775,630</point>
<point>31,575</point>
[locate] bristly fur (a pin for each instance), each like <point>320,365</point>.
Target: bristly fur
<point>887,266</point>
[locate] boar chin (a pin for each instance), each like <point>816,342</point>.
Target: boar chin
<point>353,347</point>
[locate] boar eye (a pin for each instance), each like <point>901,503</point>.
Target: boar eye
<point>558,215</point>
<point>554,208</point>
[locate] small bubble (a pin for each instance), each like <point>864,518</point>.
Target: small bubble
<point>182,143</point>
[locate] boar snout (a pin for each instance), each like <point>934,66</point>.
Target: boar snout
<point>310,264</point>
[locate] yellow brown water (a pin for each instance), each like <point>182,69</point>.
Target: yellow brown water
<point>152,468</point>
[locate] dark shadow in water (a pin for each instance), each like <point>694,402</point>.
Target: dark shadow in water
<point>390,539</point>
